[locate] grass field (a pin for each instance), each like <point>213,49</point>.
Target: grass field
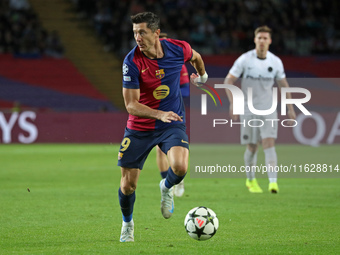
<point>62,199</point>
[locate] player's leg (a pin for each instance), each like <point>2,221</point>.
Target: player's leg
<point>163,166</point>
<point>179,168</point>
<point>269,134</point>
<point>134,150</point>
<point>126,195</point>
<point>175,144</point>
<point>270,155</point>
<point>162,162</point>
<point>178,159</point>
<point>250,161</point>
<point>250,137</point>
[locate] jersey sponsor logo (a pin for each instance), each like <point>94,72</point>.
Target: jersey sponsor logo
<point>127,78</point>
<point>125,69</point>
<point>260,78</point>
<point>145,70</point>
<point>161,92</point>
<point>160,74</point>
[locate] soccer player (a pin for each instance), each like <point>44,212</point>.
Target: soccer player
<point>162,160</point>
<point>151,91</point>
<point>259,69</point>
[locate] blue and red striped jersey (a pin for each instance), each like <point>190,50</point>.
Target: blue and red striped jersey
<point>158,81</point>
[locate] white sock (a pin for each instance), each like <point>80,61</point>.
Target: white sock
<point>128,224</point>
<point>271,163</point>
<point>250,159</point>
<point>163,187</point>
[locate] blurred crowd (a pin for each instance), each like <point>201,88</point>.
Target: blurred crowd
<point>300,27</point>
<point>22,34</point>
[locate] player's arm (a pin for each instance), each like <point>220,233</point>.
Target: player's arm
<point>283,83</point>
<point>197,62</point>
<point>134,107</point>
<point>230,79</point>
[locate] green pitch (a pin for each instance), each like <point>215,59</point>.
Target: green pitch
<point>62,199</point>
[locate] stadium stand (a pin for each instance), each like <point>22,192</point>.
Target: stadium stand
<point>300,27</point>
<point>22,35</point>
<point>84,72</point>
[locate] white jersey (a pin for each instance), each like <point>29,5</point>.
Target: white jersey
<point>260,75</point>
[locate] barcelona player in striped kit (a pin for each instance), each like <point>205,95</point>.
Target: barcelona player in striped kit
<point>151,91</point>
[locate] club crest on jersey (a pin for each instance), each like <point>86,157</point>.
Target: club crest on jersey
<point>120,155</point>
<point>161,92</point>
<point>160,74</point>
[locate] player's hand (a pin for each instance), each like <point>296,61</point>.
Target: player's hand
<point>168,117</point>
<point>198,80</point>
<point>231,113</point>
<point>193,80</point>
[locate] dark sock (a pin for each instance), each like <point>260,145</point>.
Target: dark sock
<point>126,204</point>
<point>172,179</point>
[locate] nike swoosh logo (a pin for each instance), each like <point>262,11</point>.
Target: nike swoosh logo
<point>145,70</point>
<point>172,208</point>
<point>184,141</point>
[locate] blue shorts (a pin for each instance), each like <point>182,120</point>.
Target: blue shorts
<point>136,145</point>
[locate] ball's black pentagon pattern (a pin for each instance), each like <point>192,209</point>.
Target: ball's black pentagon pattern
<point>205,226</point>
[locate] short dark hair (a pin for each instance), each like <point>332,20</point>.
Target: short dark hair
<point>265,29</point>
<point>151,19</point>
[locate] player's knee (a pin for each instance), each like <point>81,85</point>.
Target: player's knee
<point>128,187</point>
<point>180,168</point>
<point>252,148</point>
<point>268,143</point>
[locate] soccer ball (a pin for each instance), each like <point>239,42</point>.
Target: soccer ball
<point>201,223</point>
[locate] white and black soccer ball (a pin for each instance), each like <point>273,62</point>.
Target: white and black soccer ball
<point>201,223</point>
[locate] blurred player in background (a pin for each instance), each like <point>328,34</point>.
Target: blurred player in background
<point>162,160</point>
<point>259,69</point>
<point>151,91</point>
